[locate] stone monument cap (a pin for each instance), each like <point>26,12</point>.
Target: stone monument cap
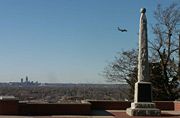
<point>143,10</point>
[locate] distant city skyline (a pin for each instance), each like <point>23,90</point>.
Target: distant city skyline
<point>67,41</point>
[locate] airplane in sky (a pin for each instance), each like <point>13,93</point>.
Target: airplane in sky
<point>122,30</point>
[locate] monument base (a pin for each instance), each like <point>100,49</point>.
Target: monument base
<point>143,109</point>
<point>142,105</point>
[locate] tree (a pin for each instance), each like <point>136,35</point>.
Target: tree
<point>163,56</point>
<point>123,69</point>
<point>164,47</point>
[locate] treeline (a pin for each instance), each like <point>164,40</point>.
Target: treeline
<point>64,94</point>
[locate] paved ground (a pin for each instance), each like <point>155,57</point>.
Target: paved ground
<point>104,114</point>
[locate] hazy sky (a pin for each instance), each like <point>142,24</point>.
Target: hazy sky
<point>69,41</point>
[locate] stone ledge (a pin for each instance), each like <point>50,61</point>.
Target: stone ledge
<point>8,98</point>
<point>143,105</point>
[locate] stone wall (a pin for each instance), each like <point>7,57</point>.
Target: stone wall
<point>110,105</point>
<point>14,107</point>
<point>54,109</point>
<point>9,107</point>
<point>177,105</point>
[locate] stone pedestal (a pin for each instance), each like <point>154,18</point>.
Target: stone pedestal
<point>143,109</point>
<point>142,105</point>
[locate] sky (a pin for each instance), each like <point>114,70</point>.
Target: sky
<point>67,41</point>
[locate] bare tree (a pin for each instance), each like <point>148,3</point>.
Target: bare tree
<point>123,69</point>
<point>165,45</point>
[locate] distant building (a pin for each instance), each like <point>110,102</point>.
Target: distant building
<point>21,80</point>
<point>27,79</point>
<point>21,83</point>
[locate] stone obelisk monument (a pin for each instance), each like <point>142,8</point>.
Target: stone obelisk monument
<point>142,105</point>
